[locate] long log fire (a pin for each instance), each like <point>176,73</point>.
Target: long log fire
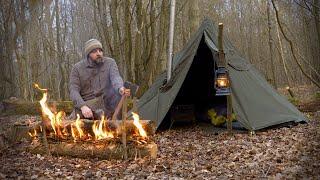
<point>91,138</point>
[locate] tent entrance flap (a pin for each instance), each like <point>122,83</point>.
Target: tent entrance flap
<point>197,93</point>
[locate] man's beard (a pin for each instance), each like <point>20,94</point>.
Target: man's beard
<point>98,61</point>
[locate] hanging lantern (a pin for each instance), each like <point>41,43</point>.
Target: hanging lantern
<point>222,82</point>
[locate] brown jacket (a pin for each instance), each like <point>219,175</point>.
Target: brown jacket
<point>89,80</point>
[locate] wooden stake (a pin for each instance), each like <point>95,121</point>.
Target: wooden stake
<point>220,37</point>
<point>223,63</point>
<point>134,105</point>
<point>118,108</point>
<point>290,91</point>
<point>229,114</point>
<point>44,137</point>
<point>124,134</point>
<point>221,60</point>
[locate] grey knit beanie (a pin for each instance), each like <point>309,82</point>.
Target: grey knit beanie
<point>91,45</point>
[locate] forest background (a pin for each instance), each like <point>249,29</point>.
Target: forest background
<point>40,40</point>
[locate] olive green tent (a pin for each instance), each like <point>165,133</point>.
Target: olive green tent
<point>256,104</point>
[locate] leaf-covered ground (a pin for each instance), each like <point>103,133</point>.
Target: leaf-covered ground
<point>190,152</point>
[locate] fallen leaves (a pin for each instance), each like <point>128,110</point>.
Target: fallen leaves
<point>190,152</point>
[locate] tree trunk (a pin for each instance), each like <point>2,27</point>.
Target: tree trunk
<point>163,36</point>
<point>282,59</point>
<point>128,42</point>
<point>193,16</point>
<point>316,11</point>
<point>8,76</point>
<point>137,63</point>
<point>60,60</point>
<point>115,30</point>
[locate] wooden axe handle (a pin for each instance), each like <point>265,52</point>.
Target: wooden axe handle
<point>118,108</point>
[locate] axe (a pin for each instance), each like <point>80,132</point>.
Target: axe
<point>133,90</point>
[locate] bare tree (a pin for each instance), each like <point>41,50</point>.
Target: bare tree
<point>271,46</point>
<point>41,40</point>
<point>291,47</point>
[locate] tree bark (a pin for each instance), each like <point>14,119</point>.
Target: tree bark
<point>163,36</point>
<point>193,16</point>
<point>128,42</point>
<point>137,63</point>
<point>282,59</point>
<point>59,55</point>
<point>115,31</point>
<point>316,11</point>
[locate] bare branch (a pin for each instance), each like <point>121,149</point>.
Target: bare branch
<point>292,48</point>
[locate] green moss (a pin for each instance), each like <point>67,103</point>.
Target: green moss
<point>33,108</point>
<point>317,95</point>
<point>218,120</point>
<point>294,101</point>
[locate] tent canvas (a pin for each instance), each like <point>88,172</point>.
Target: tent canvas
<point>256,104</point>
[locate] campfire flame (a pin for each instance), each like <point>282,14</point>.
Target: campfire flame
<point>79,125</point>
<point>100,131</point>
<point>100,128</point>
<point>55,119</point>
<point>76,129</point>
<point>136,122</point>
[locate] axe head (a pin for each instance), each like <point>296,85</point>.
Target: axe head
<point>133,88</point>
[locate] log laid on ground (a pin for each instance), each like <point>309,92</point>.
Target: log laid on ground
<point>100,150</point>
<point>17,106</point>
<point>19,131</point>
<point>311,106</point>
<point>14,133</point>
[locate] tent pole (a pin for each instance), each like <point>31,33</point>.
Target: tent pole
<point>223,62</point>
<point>171,32</point>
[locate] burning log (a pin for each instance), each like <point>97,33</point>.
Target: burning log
<point>147,125</point>
<point>101,149</point>
<point>91,138</point>
<point>89,147</point>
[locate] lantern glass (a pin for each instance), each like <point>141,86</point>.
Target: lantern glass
<point>222,81</point>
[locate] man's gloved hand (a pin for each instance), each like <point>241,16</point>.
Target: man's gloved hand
<point>124,91</point>
<point>86,111</point>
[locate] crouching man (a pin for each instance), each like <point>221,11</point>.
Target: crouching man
<point>95,84</point>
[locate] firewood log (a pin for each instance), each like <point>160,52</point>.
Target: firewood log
<point>17,106</point>
<point>100,150</point>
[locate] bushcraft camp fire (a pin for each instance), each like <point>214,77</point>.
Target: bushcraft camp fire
<point>84,138</point>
